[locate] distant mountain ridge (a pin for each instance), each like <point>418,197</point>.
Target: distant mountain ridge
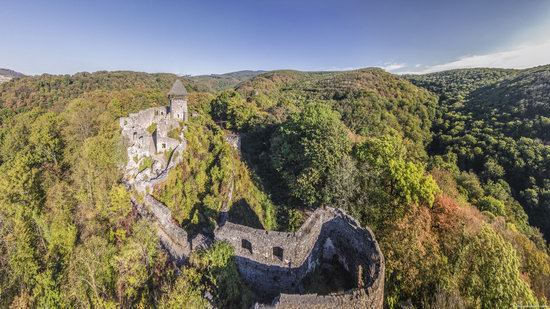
<point>217,82</point>
<point>117,80</point>
<point>7,74</point>
<point>10,73</point>
<point>236,74</point>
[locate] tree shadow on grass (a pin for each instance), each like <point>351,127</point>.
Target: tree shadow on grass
<point>242,213</point>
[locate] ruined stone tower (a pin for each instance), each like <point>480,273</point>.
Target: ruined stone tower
<point>154,135</point>
<point>178,101</point>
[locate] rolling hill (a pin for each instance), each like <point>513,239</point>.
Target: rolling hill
<point>443,168</point>
<point>497,123</point>
<point>6,75</point>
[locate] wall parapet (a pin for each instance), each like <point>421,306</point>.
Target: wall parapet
<point>172,236</point>
<point>275,263</point>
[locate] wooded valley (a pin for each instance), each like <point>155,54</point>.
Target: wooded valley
<point>450,170</point>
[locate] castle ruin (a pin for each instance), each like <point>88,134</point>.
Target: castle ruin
<point>154,136</point>
<point>275,265</point>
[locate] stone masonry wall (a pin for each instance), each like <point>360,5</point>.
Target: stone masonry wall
<point>328,233</point>
<point>171,235</point>
<point>277,276</point>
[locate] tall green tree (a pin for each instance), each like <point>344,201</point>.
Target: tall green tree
<point>306,147</point>
<point>489,272</point>
<point>392,182</point>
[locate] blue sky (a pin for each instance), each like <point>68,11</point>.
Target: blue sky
<point>203,37</point>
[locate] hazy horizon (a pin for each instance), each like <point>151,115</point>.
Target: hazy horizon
<point>283,69</point>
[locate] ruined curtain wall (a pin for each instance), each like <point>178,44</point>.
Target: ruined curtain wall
<point>327,234</point>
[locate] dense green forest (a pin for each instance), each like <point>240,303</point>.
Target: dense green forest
<point>55,91</point>
<point>497,124</point>
<point>449,170</point>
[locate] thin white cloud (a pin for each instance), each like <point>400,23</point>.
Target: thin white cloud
<point>392,66</point>
<point>338,69</point>
<point>524,56</point>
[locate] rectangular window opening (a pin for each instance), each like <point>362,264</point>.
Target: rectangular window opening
<point>278,252</point>
<point>247,245</point>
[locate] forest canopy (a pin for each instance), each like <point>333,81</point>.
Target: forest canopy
<point>450,171</point>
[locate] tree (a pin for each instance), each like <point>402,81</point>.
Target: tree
<point>94,174</point>
<point>90,275</point>
<point>118,209</point>
<point>342,187</point>
<point>493,170</point>
<point>135,264</point>
<point>488,272</point>
<point>186,292</point>
<point>19,248</point>
<point>390,181</point>
<point>217,265</point>
<point>492,205</point>
<point>232,109</point>
<point>469,186</point>
<point>306,147</point>
<point>45,138</point>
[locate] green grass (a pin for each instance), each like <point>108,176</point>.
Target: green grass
<point>146,163</point>
<point>175,134</point>
<point>152,128</point>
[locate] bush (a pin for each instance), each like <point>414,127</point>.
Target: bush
<point>146,162</point>
<point>492,205</point>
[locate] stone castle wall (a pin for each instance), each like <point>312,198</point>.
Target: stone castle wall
<point>134,128</point>
<point>171,235</point>
<point>144,146</point>
<point>329,233</point>
<point>276,276</point>
<point>144,118</point>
